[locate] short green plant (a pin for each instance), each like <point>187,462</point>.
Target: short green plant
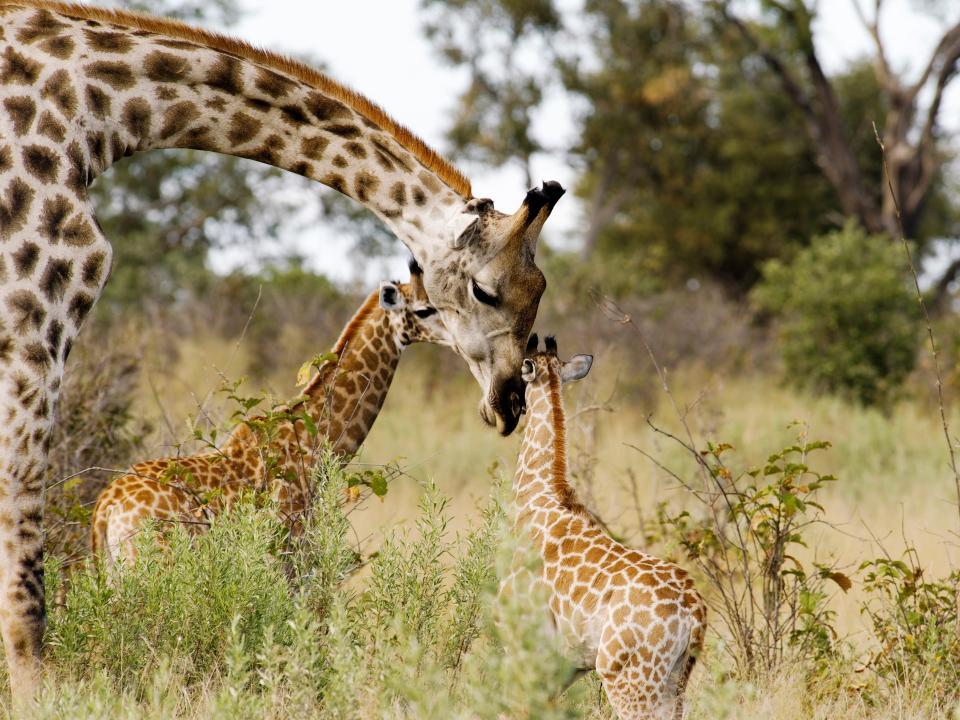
<point>745,542</point>
<point>915,625</point>
<point>242,622</point>
<point>176,603</point>
<point>848,320</point>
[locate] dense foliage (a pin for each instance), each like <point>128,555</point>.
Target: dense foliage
<point>849,320</point>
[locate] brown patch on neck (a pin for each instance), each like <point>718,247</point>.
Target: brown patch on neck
<point>370,307</point>
<point>562,490</point>
<point>427,156</point>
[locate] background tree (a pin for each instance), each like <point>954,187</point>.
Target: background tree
<point>506,45</point>
<point>849,320</point>
<point>783,38</point>
<point>690,164</point>
<point>696,157</point>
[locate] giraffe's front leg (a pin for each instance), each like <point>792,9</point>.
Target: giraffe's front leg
<point>52,276</point>
<point>26,406</point>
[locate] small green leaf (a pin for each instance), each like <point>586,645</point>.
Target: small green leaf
<point>377,483</point>
<point>309,424</point>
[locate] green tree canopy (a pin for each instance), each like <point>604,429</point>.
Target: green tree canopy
<point>695,159</point>
<point>849,320</point>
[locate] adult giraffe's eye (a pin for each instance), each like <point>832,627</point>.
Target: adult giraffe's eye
<point>482,295</point>
<point>425,312</point>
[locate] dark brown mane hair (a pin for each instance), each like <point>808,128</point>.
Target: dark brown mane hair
<point>560,485</point>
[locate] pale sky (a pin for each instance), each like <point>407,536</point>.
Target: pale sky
<point>377,47</point>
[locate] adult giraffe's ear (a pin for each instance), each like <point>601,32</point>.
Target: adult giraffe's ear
<point>528,371</point>
<point>390,297</point>
<point>576,368</point>
<point>464,227</point>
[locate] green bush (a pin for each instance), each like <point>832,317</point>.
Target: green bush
<point>848,320</point>
<point>241,622</point>
<point>746,541</point>
<point>915,625</point>
<point>177,603</point>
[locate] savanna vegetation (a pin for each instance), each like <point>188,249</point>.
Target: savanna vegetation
<point>763,407</point>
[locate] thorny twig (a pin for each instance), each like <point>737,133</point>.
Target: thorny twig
<point>926,316</point>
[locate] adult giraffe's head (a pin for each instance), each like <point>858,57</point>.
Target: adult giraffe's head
<point>486,285</point>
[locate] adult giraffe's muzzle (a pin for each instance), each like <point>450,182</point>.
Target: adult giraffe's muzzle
<point>504,405</point>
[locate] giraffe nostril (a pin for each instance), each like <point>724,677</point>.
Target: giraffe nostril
<point>516,407</point>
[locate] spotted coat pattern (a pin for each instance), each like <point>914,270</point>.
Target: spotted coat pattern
<point>80,88</point>
<point>635,619</point>
<point>343,401</point>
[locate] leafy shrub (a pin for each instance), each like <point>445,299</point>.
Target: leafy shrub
<point>176,603</point>
<point>238,623</point>
<point>421,640</point>
<point>915,625</point>
<point>848,320</point>
<point>746,542</point>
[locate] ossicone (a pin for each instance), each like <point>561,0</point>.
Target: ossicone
<point>532,344</point>
<point>542,197</point>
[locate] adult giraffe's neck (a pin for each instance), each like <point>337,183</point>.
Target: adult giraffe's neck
<point>541,488</point>
<point>344,398</point>
<point>135,83</point>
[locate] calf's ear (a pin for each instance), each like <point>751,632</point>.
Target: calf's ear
<point>576,368</point>
<point>390,297</point>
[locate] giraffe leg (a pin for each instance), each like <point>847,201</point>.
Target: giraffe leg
<point>683,667</point>
<point>641,682</point>
<point>681,684</point>
<point>633,699</point>
<point>23,447</point>
<point>47,286</point>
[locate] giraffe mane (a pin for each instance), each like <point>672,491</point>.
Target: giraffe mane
<point>562,490</point>
<point>427,156</point>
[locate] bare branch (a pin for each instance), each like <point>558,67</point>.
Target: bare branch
<point>790,85</point>
<point>941,289</point>
<point>946,48</point>
<point>949,65</point>
<point>820,111</point>
<point>872,26</point>
<point>923,306</point>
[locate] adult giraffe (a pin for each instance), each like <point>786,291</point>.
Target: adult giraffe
<point>81,87</point>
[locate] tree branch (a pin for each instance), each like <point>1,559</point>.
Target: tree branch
<point>821,112</point>
<point>887,78</point>
<point>938,294</point>
<point>605,203</point>
<point>790,84</point>
<point>924,164</point>
<point>949,53</point>
<point>939,60</point>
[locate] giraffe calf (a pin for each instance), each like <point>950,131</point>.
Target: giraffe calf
<point>635,619</point>
<point>343,400</point>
